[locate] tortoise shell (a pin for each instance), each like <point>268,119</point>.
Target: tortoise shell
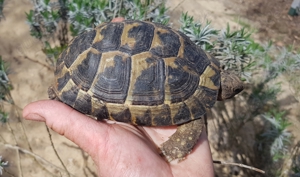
<point>137,72</point>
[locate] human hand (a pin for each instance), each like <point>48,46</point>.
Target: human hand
<point>121,149</point>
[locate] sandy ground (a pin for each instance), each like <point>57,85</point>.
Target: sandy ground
<point>31,80</point>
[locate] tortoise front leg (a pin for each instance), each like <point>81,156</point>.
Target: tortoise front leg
<point>183,140</point>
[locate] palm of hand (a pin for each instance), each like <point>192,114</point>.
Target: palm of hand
<point>120,149</point>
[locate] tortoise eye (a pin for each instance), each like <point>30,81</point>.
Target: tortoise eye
<point>237,90</point>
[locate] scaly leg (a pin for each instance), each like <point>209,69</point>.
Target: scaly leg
<point>182,142</point>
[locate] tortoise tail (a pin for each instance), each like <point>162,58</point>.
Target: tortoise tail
<point>51,93</point>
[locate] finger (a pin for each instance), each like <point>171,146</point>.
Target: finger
<point>66,121</point>
<point>118,19</point>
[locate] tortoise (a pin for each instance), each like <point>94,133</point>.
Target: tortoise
<point>145,74</point>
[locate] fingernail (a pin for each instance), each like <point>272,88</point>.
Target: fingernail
<point>35,117</point>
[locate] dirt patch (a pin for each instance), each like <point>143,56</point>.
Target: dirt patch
<point>271,20</point>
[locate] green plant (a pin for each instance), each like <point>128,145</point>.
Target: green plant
<point>3,117</point>
<point>277,134</point>
<point>1,8</point>
<point>236,50</point>
<point>245,24</point>
<point>47,18</point>
<point>5,85</point>
<point>198,33</point>
<point>232,48</point>
<point>84,15</point>
<point>5,88</point>
<point>296,161</point>
<point>43,19</point>
<point>2,165</point>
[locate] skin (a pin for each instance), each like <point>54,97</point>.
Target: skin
<point>120,149</point>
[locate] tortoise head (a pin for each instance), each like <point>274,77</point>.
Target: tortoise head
<point>230,85</point>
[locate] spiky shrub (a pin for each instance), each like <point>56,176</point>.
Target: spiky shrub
<point>5,88</point>
<point>85,15</point>
<point>238,52</point>
<point>200,34</point>
<point>232,48</point>
<point>296,161</point>
<point>78,16</point>
<point>1,8</point>
<point>2,165</point>
<point>277,135</point>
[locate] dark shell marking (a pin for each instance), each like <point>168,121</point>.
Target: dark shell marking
<point>137,72</point>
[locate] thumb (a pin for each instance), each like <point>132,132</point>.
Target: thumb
<point>68,122</point>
